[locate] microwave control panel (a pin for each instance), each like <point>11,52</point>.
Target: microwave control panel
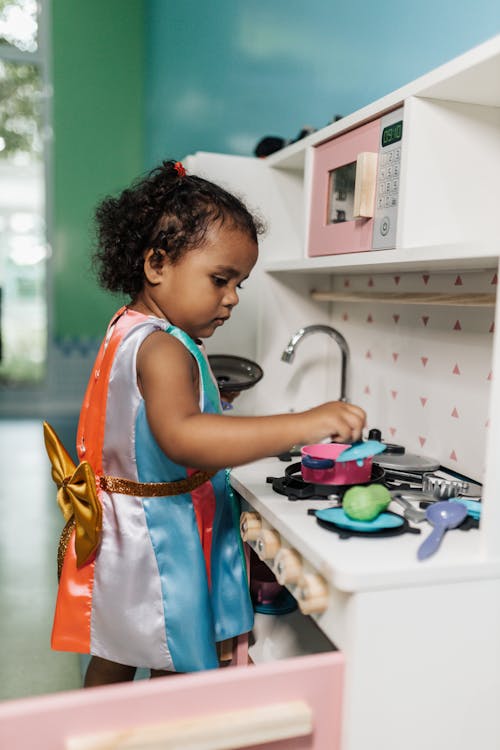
<point>388,179</point>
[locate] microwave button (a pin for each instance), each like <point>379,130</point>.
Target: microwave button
<point>395,185</point>
<point>385,225</point>
<point>382,173</point>
<point>389,171</point>
<point>394,201</point>
<point>397,154</point>
<point>380,202</point>
<point>396,170</point>
<point>390,156</point>
<point>388,186</point>
<point>387,201</point>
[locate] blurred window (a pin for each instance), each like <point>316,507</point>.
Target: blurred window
<point>24,248</point>
<point>19,24</point>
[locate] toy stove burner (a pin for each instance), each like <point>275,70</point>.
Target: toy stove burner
<point>295,488</point>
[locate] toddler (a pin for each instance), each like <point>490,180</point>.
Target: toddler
<point>156,577</point>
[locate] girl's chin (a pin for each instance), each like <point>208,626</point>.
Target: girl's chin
<point>203,332</point>
<point>212,327</point>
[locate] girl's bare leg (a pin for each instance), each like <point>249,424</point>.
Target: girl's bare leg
<point>103,672</point>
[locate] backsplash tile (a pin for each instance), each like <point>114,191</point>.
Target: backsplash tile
<point>422,371</point>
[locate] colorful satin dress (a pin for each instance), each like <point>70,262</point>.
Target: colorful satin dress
<point>168,580</point>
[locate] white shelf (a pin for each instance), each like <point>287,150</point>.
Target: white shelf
<point>473,77</point>
<point>435,257</point>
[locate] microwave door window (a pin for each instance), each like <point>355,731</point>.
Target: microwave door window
<point>341,194</point>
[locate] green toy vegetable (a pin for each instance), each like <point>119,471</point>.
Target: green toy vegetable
<point>366,503</point>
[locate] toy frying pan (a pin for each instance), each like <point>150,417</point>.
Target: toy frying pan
<point>234,373</point>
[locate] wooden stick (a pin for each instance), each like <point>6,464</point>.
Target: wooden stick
<point>233,729</point>
<point>409,298</point>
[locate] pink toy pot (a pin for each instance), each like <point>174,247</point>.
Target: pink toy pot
<point>319,465</point>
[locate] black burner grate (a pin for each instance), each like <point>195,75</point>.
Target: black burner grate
<point>295,488</point>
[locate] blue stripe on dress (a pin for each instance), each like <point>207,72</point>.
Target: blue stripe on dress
<point>232,608</point>
<point>231,603</point>
<point>181,566</point>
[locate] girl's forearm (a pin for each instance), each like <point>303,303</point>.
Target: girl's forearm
<point>213,441</point>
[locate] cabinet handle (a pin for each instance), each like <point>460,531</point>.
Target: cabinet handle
<point>267,544</point>
<point>232,729</point>
<point>312,594</point>
<point>250,526</point>
<point>287,566</point>
<point>365,185</point>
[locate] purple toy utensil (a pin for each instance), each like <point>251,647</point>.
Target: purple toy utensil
<point>443,515</point>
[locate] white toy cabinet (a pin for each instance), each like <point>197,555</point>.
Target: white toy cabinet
<point>421,641</point>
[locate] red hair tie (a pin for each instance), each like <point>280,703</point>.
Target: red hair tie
<point>179,168</point>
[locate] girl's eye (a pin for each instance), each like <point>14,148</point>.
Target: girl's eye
<point>239,286</point>
<point>219,281</point>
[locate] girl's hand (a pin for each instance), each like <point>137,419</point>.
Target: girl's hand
<point>340,421</point>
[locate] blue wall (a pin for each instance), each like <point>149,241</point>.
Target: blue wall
<point>221,74</point>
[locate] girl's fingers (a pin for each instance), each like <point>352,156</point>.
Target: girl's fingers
<point>356,411</point>
<point>350,424</point>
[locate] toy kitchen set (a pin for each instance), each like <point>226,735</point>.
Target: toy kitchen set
<point>376,283</point>
<point>378,278</point>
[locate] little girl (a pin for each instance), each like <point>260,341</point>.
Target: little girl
<point>165,581</point>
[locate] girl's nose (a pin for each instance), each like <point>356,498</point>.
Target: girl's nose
<point>231,298</point>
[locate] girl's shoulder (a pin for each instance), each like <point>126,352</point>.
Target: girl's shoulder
<point>127,325</point>
<point>152,340</point>
<point>130,321</point>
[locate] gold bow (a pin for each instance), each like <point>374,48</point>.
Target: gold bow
<point>76,496</point>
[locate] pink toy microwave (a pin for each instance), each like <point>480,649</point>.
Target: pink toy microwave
<point>355,188</point>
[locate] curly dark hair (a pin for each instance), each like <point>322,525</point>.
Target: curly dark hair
<point>165,210</point>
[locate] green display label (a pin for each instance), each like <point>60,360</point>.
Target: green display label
<point>392,133</point>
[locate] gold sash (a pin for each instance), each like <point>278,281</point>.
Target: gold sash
<point>78,500</point>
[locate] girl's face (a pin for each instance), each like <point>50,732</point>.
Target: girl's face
<point>198,293</point>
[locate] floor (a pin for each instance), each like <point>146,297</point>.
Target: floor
<point>30,524</point>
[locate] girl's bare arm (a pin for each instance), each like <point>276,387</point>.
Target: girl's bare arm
<point>213,441</point>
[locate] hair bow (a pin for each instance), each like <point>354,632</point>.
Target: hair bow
<point>179,168</point>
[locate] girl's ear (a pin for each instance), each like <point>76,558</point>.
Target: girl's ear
<point>154,262</point>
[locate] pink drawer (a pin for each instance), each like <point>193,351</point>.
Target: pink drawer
<point>309,688</point>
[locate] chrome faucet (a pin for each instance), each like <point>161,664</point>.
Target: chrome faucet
<point>289,353</point>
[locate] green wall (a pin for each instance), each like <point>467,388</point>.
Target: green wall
<point>98,113</point>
